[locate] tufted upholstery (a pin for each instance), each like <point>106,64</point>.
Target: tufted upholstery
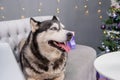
<point>13,31</point>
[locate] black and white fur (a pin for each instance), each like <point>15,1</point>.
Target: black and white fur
<point>40,57</point>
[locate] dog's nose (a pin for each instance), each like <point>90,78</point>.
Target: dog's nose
<point>69,36</point>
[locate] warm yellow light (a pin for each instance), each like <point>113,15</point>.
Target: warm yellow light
<point>23,9</point>
<point>105,32</point>
<point>58,1</point>
<point>85,6</point>
<point>58,10</point>
<point>39,10</point>
<point>86,11</point>
<point>112,36</point>
<point>22,17</point>
<point>99,3</point>
<point>100,17</point>
<point>99,11</point>
<point>2,8</point>
<point>76,7</point>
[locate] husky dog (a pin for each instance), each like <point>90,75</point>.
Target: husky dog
<point>43,54</point>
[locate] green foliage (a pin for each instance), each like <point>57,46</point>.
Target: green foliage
<point>112,10</point>
<point>109,21</point>
<point>117,19</point>
<point>111,39</point>
<point>101,48</point>
<point>117,0</point>
<point>112,45</point>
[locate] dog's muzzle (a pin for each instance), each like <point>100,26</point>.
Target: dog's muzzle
<point>62,45</point>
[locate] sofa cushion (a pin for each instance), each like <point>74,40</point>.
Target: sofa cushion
<point>13,31</point>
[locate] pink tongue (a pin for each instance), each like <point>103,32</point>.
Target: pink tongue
<point>65,47</point>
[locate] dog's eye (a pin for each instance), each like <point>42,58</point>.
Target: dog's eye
<point>53,28</point>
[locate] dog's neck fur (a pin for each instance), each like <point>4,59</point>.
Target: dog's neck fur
<point>51,53</point>
<point>48,51</point>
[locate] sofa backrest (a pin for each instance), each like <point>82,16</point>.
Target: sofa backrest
<point>13,31</point>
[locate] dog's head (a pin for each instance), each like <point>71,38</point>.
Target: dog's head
<point>51,32</point>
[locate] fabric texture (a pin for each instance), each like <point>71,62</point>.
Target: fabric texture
<point>80,64</point>
<point>13,31</point>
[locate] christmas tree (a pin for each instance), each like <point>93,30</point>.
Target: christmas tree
<point>111,28</point>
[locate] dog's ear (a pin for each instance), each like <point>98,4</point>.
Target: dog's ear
<point>54,18</point>
<point>33,24</point>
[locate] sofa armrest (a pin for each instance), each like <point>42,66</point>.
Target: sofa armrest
<point>9,68</point>
<point>80,64</point>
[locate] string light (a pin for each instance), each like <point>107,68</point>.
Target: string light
<point>99,11</point>
<point>1,8</point>
<point>105,32</point>
<point>100,17</point>
<point>39,10</point>
<point>86,12</point>
<point>99,2</point>
<point>76,7</point>
<point>58,10</point>
<point>23,9</point>
<point>39,7</point>
<point>58,1</point>
<point>85,6</point>
<point>22,17</point>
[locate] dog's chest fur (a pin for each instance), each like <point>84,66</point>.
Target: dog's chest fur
<point>51,65</point>
<point>51,53</point>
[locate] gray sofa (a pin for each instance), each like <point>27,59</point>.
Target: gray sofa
<point>80,60</point>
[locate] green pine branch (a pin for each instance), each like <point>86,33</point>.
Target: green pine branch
<point>111,40</point>
<point>112,45</point>
<point>109,21</point>
<point>101,48</point>
<point>117,0</point>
